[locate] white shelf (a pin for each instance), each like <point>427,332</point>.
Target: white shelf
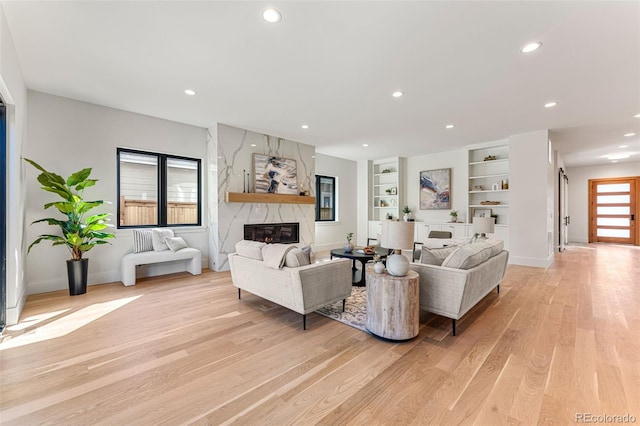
<point>386,195</point>
<point>499,160</point>
<point>385,174</point>
<point>489,206</point>
<point>385,207</point>
<point>488,190</point>
<point>490,176</point>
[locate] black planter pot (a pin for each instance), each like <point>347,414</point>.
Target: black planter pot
<point>77,273</point>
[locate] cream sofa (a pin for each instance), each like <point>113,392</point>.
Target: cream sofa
<point>464,277</point>
<point>302,289</point>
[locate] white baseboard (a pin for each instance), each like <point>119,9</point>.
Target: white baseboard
<point>13,314</point>
<point>531,261</point>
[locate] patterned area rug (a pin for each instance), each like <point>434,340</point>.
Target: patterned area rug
<point>355,311</point>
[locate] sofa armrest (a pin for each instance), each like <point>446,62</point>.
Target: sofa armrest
<point>324,283</point>
<point>441,289</point>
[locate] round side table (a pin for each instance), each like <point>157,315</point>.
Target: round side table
<point>393,305</point>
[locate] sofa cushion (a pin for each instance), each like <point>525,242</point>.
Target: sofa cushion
<point>250,249</point>
<point>176,243</point>
<point>466,257</point>
<point>142,240</point>
<point>158,237</point>
<point>435,256</point>
<point>297,257</point>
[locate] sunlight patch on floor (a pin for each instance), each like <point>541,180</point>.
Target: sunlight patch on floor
<point>36,319</point>
<point>67,324</point>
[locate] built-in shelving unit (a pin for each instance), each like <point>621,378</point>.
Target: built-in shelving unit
<point>251,197</point>
<point>489,181</point>
<point>387,196</point>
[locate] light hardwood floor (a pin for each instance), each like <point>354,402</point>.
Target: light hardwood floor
<point>184,350</point>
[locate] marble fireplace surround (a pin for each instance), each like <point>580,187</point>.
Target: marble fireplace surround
<point>285,233</point>
<point>230,152</point>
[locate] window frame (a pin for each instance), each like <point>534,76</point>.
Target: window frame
<point>161,181</point>
<point>319,198</point>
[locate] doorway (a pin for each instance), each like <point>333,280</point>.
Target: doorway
<point>612,210</point>
<point>563,218</point>
<point>3,216</point>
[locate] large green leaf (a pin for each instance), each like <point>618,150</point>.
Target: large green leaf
<point>52,176</point>
<point>96,218</point>
<point>78,177</point>
<point>55,238</point>
<point>52,221</point>
<point>86,184</point>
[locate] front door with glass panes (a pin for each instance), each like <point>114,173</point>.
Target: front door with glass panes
<point>612,210</point>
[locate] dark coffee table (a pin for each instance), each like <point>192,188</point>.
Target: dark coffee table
<point>359,277</point>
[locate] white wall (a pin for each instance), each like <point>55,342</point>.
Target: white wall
<point>67,135</point>
<point>579,193</point>
<point>331,235</point>
<point>531,206</point>
<point>14,94</point>
<point>457,161</point>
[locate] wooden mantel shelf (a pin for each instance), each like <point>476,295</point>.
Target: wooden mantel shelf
<point>250,197</point>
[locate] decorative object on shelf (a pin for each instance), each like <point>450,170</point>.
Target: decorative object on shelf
<point>482,213</point>
<point>394,191</point>
<point>505,184</point>
<point>495,187</point>
<point>79,233</point>
<point>388,216</point>
<point>477,188</point>
<point>383,203</point>
<point>385,171</point>
<point>388,191</point>
<point>490,158</point>
<point>435,189</point>
<point>495,218</point>
<point>407,213</point>
<point>489,203</point>
<point>397,236</point>
<point>482,226</point>
<point>274,175</point>
<point>394,203</point>
<point>454,215</point>
<point>348,247</point>
<point>244,181</point>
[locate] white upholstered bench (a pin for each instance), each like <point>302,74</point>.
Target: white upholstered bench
<point>192,256</point>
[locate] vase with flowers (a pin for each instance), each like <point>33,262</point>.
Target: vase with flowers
<point>348,247</point>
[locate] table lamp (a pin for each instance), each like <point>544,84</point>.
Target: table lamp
<point>483,226</point>
<point>397,236</point>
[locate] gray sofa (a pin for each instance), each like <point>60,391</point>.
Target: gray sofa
<point>454,279</point>
<point>302,289</point>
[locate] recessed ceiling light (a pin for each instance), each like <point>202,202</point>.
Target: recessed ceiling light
<point>636,116</point>
<point>623,146</point>
<point>313,156</point>
<point>614,161</point>
<point>531,47</point>
<point>253,144</point>
<point>305,126</point>
<point>628,135</point>
<point>397,94</point>
<point>618,156</point>
<point>271,15</point>
<point>190,92</point>
<point>449,126</point>
<point>365,145</point>
<point>550,104</point>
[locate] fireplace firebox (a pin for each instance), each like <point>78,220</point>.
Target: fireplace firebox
<point>273,232</point>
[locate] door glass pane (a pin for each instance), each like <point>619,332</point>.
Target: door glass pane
<point>613,199</point>
<point>614,221</point>
<point>613,210</point>
<point>138,189</point>
<point>615,187</point>
<point>182,191</point>
<point>617,233</point>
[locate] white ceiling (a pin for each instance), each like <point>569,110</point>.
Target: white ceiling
<point>334,65</point>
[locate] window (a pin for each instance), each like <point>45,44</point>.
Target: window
<point>157,189</point>
<point>325,199</point>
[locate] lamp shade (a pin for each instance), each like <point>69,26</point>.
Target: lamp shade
<point>483,225</point>
<point>397,235</point>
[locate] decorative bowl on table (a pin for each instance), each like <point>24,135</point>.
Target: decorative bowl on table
<point>369,250</point>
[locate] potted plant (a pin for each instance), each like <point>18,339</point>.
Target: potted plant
<point>80,233</point>
<point>348,247</point>
<point>454,215</point>
<point>407,213</point>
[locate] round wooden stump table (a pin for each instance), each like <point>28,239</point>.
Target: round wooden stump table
<point>393,305</point>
